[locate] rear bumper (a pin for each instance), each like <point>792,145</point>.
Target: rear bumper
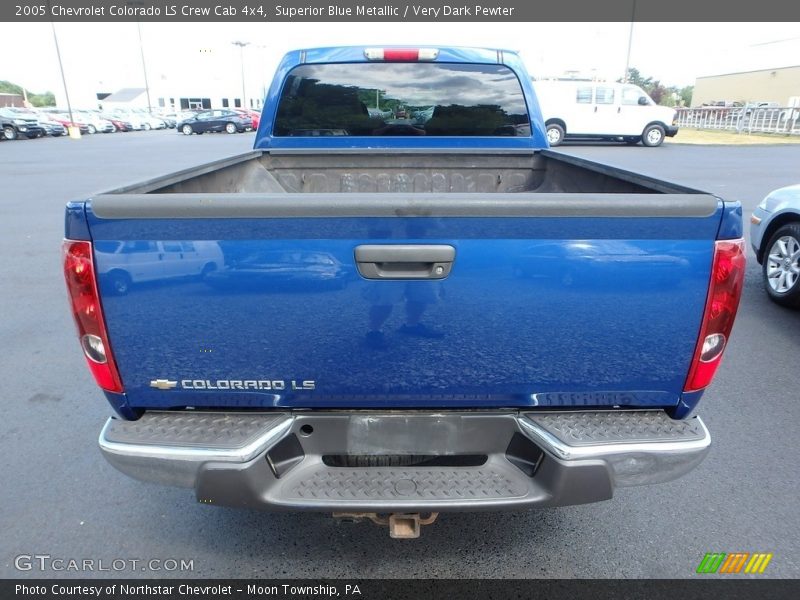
<point>462,460</point>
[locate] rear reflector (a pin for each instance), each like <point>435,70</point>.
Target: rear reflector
<point>401,54</point>
<point>724,292</point>
<point>88,314</point>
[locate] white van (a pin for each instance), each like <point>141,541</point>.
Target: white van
<point>597,110</point>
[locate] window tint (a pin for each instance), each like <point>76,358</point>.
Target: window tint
<point>604,95</point>
<point>399,99</point>
<point>584,95</point>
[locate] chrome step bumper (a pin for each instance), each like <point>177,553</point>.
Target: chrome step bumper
<point>283,460</point>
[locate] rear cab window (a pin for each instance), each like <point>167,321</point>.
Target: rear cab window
<point>402,99</point>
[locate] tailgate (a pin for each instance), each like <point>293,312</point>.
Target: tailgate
<point>546,300</point>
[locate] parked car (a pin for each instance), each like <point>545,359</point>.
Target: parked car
<point>119,123</point>
<point>775,237</point>
<point>94,122</point>
<point>154,122</point>
<point>608,111</point>
<point>254,115</point>
<point>63,119</point>
<point>52,128</point>
<point>18,123</point>
<point>173,118</point>
<point>228,121</point>
<point>137,121</point>
<point>186,114</point>
<point>169,120</point>
<point>149,121</point>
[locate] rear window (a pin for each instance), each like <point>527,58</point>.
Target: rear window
<point>402,99</point>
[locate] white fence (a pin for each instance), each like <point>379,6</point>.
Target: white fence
<point>745,119</point>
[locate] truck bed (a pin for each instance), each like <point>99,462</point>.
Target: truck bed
<point>360,171</point>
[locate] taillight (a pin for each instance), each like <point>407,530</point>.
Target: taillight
<point>724,292</point>
<point>401,54</point>
<point>88,314</point>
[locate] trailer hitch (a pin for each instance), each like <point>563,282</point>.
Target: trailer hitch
<point>404,526</point>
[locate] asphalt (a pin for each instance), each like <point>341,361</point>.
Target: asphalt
<point>60,498</point>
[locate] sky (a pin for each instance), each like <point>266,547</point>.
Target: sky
<point>105,56</point>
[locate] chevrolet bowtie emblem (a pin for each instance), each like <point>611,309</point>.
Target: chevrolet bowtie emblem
<point>163,384</point>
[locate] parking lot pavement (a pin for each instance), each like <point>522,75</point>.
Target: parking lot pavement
<point>59,497</point>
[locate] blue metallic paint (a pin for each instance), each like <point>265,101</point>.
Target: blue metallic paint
<point>731,227</point>
<point>687,403</point>
<point>528,306</point>
<point>75,226</point>
<point>119,402</point>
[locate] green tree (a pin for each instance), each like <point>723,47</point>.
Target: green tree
<point>43,99</point>
<point>635,77</point>
<point>6,87</point>
<point>686,95</point>
<point>660,93</point>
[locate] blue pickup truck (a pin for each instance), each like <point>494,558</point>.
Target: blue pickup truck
<point>402,302</point>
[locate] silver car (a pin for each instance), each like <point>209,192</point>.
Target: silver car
<point>775,236</point>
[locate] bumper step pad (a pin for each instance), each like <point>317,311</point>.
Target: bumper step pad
<point>192,429</point>
<point>277,460</point>
<point>481,483</point>
<point>607,427</point>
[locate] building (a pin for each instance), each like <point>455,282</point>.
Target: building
<point>165,99</point>
<point>125,98</point>
<point>11,100</point>
<point>780,85</point>
<point>188,76</point>
<point>166,96</point>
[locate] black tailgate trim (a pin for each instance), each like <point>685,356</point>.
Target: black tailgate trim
<point>327,205</point>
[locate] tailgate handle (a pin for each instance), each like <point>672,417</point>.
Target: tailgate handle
<point>405,261</point>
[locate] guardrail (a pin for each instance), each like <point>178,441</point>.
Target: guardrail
<point>744,119</point>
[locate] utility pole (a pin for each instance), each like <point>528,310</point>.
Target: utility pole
<point>630,41</point>
<point>72,127</point>
<point>241,57</point>
<point>261,48</point>
<point>144,69</point>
